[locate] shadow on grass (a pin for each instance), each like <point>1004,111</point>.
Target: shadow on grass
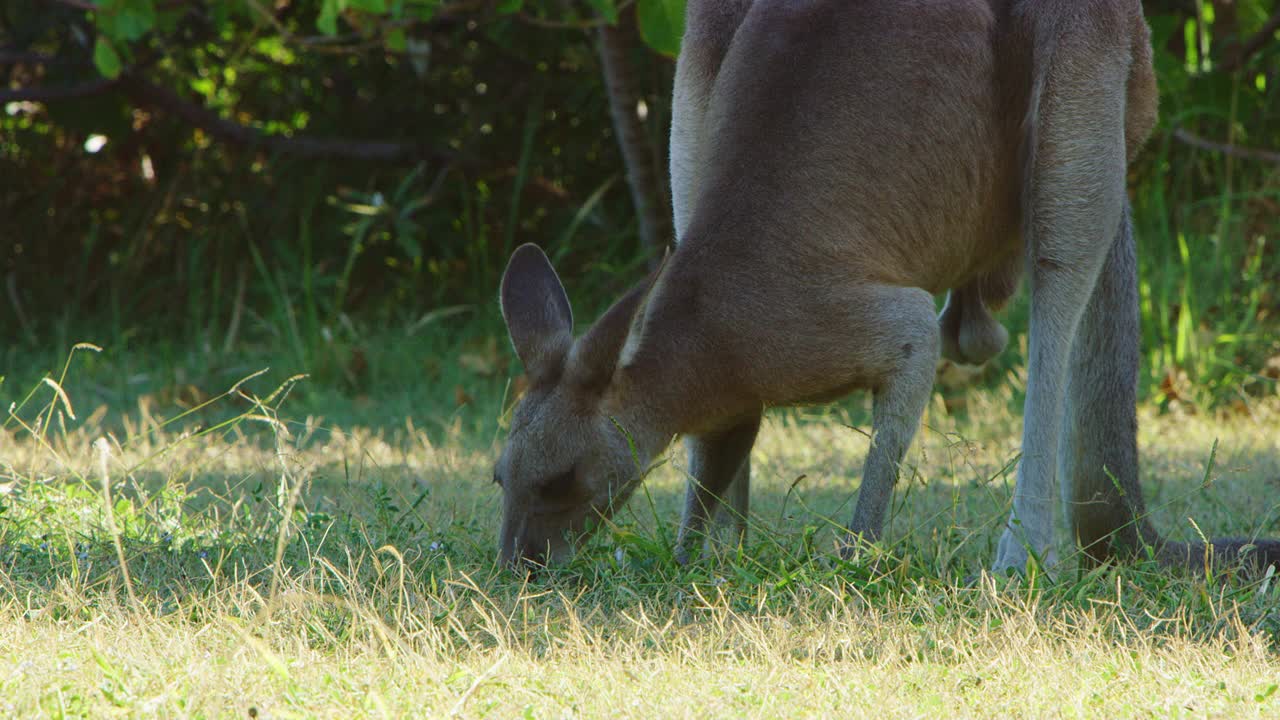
<point>330,527</point>
<point>399,527</point>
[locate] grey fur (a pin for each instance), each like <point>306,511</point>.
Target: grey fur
<point>834,165</point>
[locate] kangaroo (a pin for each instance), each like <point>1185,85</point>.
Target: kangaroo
<point>835,165</point>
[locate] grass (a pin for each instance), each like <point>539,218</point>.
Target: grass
<point>240,559</point>
<point>169,548</point>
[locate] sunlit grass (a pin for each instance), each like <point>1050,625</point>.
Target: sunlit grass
<point>298,567</point>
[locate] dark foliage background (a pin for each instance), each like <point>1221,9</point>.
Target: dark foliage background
<point>318,179</point>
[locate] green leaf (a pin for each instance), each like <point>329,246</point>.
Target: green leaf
<point>509,7</point>
<point>167,22</point>
<point>423,10</point>
<point>395,40</point>
<point>370,6</point>
<point>608,9</point>
<point>220,14</point>
<point>106,59</point>
<point>125,19</point>
<point>327,22</point>
<point>661,24</point>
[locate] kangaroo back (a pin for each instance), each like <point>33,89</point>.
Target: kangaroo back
<point>835,164</point>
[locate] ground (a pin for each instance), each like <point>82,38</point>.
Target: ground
<point>276,566</point>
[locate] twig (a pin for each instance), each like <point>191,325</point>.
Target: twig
<point>13,56</point>
<point>270,17</point>
<point>359,41</point>
<point>586,24</point>
<point>233,328</point>
<point>11,285</point>
<point>91,5</point>
<point>77,4</point>
<point>148,94</point>
<point>55,94</point>
<point>1226,148</point>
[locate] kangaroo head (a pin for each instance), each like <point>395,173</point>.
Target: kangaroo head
<point>577,445</point>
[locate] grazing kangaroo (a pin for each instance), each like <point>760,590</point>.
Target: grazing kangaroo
<point>835,164</point>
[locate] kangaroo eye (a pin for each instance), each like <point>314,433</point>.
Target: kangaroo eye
<point>557,487</point>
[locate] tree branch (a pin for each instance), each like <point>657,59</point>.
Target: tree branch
<point>587,24</point>
<point>56,94</point>
<point>1242,52</point>
<point>78,4</point>
<point>646,174</point>
<point>154,96</point>
<point>1225,148</point>
<point>144,93</point>
<point>92,5</point>
<point>10,55</point>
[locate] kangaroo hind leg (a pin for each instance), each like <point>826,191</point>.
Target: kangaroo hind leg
<point>1073,204</point>
<point>1099,454</point>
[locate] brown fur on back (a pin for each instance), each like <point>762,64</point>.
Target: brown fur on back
<point>836,163</point>
<point>830,182</point>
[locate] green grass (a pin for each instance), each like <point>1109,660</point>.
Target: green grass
<point>247,557</point>
<point>171,548</point>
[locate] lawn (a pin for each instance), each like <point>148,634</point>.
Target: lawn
<point>245,560</point>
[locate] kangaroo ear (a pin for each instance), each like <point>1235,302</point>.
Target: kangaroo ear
<point>536,310</point>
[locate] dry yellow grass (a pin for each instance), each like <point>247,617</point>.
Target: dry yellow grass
<point>338,572</point>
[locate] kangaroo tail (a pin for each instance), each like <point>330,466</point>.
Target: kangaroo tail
<point>1099,452</point>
